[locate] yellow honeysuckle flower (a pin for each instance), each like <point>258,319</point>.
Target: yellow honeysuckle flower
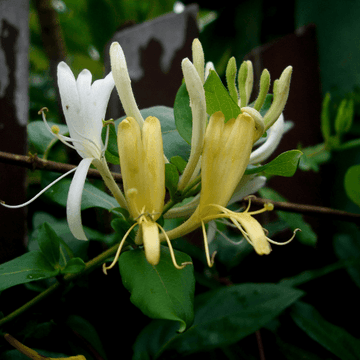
<point>143,171</point>
<point>226,154</point>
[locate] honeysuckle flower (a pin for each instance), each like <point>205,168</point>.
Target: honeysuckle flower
<point>143,171</point>
<point>84,105</point>
<point>226,153</point>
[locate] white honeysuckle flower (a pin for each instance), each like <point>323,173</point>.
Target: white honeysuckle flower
<point>272,141</point>
<point>84,105</point>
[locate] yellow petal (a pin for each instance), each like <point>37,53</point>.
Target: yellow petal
<point>151,240</point>
<point>154,166</point>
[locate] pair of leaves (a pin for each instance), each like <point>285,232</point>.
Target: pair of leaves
<point>39,264</point>
<point>222,317</point>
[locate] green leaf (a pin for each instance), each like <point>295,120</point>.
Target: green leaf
<point>307,236</point>
<point>26,268</point>
<point>91,197</point>
<point>352,183</point>
<point>74,266</point>
<point>283,165</point>
<point>333,338</point>
<point>218,98</point>
<point>161,291</point>
<point>222,317</point>
<point>183,114</point>
<point>49,244</point>
<point>171,179</point>
<point>40,136</point>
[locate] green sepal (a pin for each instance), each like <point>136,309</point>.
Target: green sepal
<point>283,165</point>
<point>161,291</point>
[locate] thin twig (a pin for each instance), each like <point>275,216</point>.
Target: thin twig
<point>307,209</point>
<point>33,162</point>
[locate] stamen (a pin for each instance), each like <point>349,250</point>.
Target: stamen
<point>172,254</point>
<point>40,193</point>
<point>104,267</point>
<point>210,261</point>
<point>286,242</point>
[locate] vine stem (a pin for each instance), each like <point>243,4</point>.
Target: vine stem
<point>89,266</point>
<point>306,209</point>
<point>33,162</point>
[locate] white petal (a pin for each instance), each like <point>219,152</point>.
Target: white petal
<point>73,206</point>
<point>274,136</point>
<point>247,188</point>
<point>100,94</point>
<point>68,92</point>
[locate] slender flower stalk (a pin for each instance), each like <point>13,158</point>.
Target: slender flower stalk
<point>143,170</point>
<point>84,105</point>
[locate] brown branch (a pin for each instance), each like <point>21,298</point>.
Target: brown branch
<point>306,209</point>
<point>33,162</point>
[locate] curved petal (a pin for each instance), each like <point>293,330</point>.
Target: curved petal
<point>247,187</point>
<point>68,92</point>
<point>273,140</point>
<point>73,206</point>
<point>100,94</point>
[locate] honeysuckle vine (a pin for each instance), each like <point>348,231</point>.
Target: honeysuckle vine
<point>221,150</point>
